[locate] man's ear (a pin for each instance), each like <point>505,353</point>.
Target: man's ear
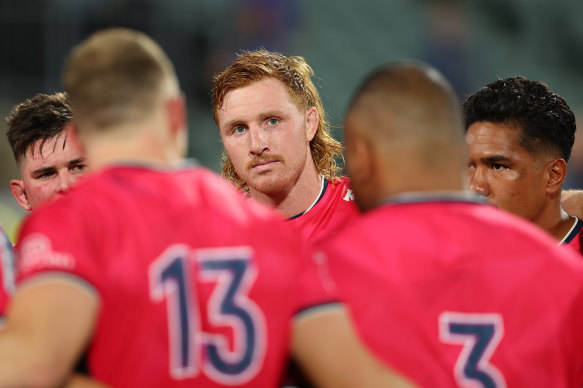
<point>361,164</point>
<point>312,122</point>
<point>556,172</point>
<point>17,189</point>
<point>72,132</point>
<point>176,109</point>
<point>177,120</point>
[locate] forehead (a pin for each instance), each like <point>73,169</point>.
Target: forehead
<point>497,137</point>
<point>268,94</point>
<point>58,150</point>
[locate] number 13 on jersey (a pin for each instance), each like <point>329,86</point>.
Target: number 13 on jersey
<point>232,271</point>
<point>479,334</point>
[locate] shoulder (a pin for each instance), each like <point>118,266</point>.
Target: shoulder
<point>338,190</point>
<point>434,224</point>
<point>341,184</point>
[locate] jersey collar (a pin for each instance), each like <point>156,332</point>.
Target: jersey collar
<point>323,186</point>
<point>153,165</point>
<point>575,229</point>
<point>434,196</point>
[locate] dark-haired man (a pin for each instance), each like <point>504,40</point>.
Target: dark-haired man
<point>520,136</point>
<point>49,159</point>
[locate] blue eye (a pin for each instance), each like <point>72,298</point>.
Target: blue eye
<point>239,129</point>
<point>273,121</point>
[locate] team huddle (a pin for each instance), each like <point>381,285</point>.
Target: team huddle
<point>445,258</point>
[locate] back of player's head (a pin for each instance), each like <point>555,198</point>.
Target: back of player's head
<point>295,74</point>
<point>116,76</point>
<point>411,102</point>
<point>545,121</point>
<point>42,117</point>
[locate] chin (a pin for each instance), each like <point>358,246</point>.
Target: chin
<point>269,189</point>
<point>268,186</point>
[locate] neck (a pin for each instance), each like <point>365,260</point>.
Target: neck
<point>420,182</point>
<point>129,145</point>
<point>296,197</point>
<point>555,220</point>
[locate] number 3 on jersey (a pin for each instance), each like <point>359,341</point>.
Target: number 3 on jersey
<point>233,273</point>
<point>479,334</point>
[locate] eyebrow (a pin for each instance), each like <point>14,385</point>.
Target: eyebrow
<point>271,113</point>
<point>495,159</point>
<point>77,161</point>
<point>43,170</point>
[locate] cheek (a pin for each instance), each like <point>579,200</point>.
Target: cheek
<point>506,180</point>
<point>40,192</point>
<point>509,188</point>
<point>512,176</point>
<point>234,149</point>
<point>295,147</point>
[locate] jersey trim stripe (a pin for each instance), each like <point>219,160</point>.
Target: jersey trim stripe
<point>317,310</point>
<point>444,196</point>
<point>7,263</point>
<point>45,277</point>
<point>574,231</point>
<point>323,187</point>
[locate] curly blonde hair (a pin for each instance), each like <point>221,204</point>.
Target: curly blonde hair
<point>295,74</point>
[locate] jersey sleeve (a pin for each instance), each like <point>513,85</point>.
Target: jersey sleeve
<point>6,271</point>
<point>572,333</point>
<point>49,244</point>
<point>316,291</point>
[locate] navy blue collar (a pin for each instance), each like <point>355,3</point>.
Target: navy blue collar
<point>153,165</point>
<point>573,232</point>
<point>434,196</point>
<point>323,188</point>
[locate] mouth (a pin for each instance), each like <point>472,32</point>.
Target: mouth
<point>263,165</point>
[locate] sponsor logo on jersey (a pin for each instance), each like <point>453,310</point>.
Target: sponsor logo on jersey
<point>37,252</point>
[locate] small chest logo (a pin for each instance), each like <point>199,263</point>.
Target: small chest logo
<point>349,196</point>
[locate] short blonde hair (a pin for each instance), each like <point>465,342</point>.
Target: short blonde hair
<point>115,76</point>
<point>295,74</point>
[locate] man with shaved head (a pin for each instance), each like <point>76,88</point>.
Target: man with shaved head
<point>441,286</point>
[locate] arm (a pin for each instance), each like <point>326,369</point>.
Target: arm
<point>327,348</point>
<point>48,324</point>
<point>79,381</point>
<point>572,202</point>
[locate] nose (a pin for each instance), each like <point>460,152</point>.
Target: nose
<point>258,141</point>
<point>479,181</point>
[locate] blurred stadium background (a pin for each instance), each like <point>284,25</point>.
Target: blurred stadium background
<point>472,42</point>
